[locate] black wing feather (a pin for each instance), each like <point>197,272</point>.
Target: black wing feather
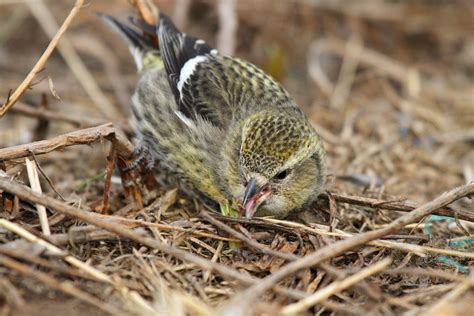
<point>176,49</point>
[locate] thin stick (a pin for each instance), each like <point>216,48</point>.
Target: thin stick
<point>37,165</point>
<point>434,273</point>
<point>64,287</point>
<point>36,186</point>
<point>396,205</point>
<point>88,234</point>
<point>41,62</point>
<point>341,246</point>
<point>214,258</point>
<point>41,113</point>
<point>108,177</point>
<point>334,288</point>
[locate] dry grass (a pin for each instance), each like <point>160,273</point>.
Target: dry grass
<point>389,86</point>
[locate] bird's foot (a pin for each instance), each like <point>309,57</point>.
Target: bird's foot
<point>141,154</point>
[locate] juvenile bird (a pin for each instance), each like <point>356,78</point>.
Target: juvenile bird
<point>227,130</point>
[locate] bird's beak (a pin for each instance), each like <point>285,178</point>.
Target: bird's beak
<point>253,198</point>
<point>250,190</point>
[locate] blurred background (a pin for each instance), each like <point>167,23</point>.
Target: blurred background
<point>389,85</point>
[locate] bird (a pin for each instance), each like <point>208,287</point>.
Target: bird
<point>228,131</point>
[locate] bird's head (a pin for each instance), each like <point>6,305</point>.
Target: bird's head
<point>281,162</point>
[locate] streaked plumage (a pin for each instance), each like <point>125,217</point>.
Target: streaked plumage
<point>221,125</point>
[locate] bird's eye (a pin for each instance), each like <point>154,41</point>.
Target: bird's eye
<point>281,175</point>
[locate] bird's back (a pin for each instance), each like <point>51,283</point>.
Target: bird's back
<point>206,85</point>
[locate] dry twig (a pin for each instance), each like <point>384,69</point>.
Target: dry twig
<point>36,186</point>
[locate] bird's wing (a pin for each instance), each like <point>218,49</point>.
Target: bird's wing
<point>208,84</point>
<point>181,54</point>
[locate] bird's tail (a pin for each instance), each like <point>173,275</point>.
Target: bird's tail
<point>142,41</point>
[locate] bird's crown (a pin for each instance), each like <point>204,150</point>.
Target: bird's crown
<point>277,139</point>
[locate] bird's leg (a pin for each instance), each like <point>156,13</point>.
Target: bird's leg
<point>140,154</point>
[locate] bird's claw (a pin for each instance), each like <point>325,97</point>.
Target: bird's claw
<point>141,154</point>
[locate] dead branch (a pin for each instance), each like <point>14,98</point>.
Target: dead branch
<point>51,184</point>
<point>80,137</point>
